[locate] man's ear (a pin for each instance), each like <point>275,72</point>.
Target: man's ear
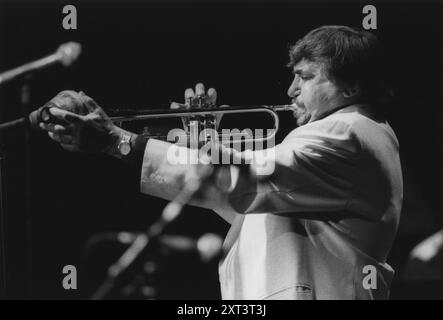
<point>350,91</point>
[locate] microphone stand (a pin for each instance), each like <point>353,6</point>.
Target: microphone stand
<point>141,242</point>
<point>66,54</point>
<point>25,97</point>
<point>25,101</point>
<point>3,207</point>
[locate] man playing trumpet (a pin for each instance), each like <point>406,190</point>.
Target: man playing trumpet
<point>321,224</point>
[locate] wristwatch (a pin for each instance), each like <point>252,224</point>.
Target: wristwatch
<point>124,146</point>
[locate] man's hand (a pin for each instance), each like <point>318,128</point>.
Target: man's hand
<point>93,132</point>
<point>69,100</point>
<point>210,98</point>
<point>194,98</point>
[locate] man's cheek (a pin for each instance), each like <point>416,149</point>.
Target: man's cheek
<point>308,98</point>
<point>318,96</point>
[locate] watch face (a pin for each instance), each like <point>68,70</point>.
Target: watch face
<point>125,148</point>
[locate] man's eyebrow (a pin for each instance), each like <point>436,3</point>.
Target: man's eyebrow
<point>301,71</point>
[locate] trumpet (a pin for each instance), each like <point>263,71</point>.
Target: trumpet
<point>207,120</point>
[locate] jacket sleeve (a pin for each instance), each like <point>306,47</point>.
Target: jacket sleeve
<point>167,168</point>
<point>313,170</point>
<point>310,167</point>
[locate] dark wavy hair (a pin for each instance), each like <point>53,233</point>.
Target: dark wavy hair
<point>350,56</point>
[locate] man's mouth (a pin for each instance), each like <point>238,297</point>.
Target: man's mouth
<point>300,112</point>
<point>297,107</point>
<point>297,103</point>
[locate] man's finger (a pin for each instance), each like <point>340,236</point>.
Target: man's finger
<point>212,96</point>
<point>174,105</point>
<point>189,93</point>
<point>55,128</point>
<point>199,89</point>
<point>69,147</point>
<point>64,115</point>
<point>61,138</point>
<point>73,118</point>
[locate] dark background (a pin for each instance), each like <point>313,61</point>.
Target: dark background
<point>144,54</point>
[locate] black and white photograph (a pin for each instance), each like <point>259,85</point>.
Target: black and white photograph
<point>221,150</point>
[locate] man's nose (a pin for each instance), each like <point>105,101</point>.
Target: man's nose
<point>294,89</point>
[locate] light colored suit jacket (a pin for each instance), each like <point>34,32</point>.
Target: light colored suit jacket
<point>320,227</point>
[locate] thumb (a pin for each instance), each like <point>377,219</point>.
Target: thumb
<point>176,105</point>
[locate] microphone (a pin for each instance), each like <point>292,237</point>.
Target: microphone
<point>33,119</point>
<point>172,210</point>
<point>208,245</point>
<point>42,114</point>
<point>66,54</point>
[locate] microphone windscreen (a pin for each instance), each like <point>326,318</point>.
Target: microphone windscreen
<point>69,52</point>
<point>209,246</point>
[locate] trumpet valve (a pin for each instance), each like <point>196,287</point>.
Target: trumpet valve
<point>201,102</point>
